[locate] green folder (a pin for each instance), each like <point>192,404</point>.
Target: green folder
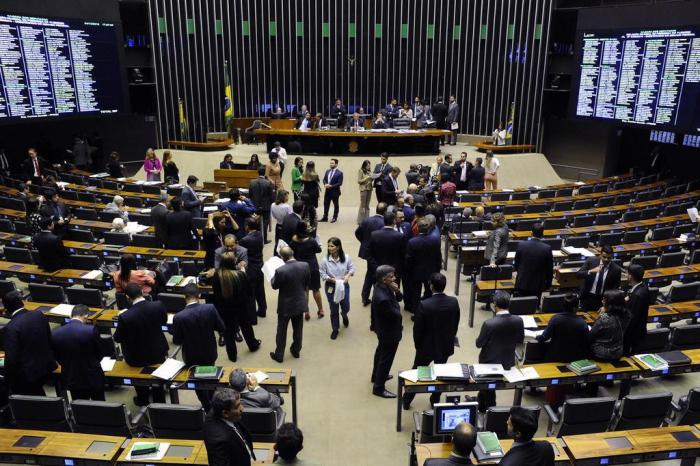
<point>488,442</point>
<point>144,449</point>
<point>583,366</point>
<point>654,362</point>
<point>207,372</point>
<point>426,373</point>
<point>174,280</point>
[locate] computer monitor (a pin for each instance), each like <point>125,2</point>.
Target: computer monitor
<point>448,415</point>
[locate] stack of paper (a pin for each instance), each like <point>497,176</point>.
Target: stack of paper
<point>411,375</point>
<point>168,369</point>
<point>531,335</point>
<point>134,227</point>
<point>448,371</point>
<point>488,369</point>
<point>92,275</point>
<point>260,376</point>
<point>481,233</point>
<point>528,321</point>
<point>270,267</point>
<point>693,214</point>
<point>157,456</point>
<point>107,364</point>
<point>62,310</point>
<point>651,361</point>
<point>515,374</point>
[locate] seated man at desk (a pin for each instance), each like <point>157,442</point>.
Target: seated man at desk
<point>288,443</point>
<point>252,394</point>
<point>463,442</point>
<point>522,426</point>
<point>227,163</point>
<point>227,441</point>
<point>356,123</point>
<point>117,207</point>
<point>305,121</point>
<point>52,255</point>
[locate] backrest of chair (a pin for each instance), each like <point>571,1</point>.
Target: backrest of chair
<point>84,236</point>
<point>145,241</point>
<point>86,197</point>
<point>656,341</point>
<point>132,188</point>
<point>661,233</point>
<point>496,419</point>
<point>643,411</point>
<point>6,286</point>
<point>605,219</point>
<point>554,243</point>
<point>513,209</point>
<point>497,197</point>
<point>118,238</point>
<point>21,228</point>
<point>648,262</point>
<point>564,192</point>
<point>611,239</point>
<point>553,303</point>
<point>669,210</point>
<point>100,418</point>
<point>85,261</point>
<point>554,223</point>
<point>684,292</point>
<point>151,189</point>
<point>685,337</point>
<point>600,188</point>
<point>502,272</point>
<point>695,258</point>
<point>525,224</point>
<point>631,237</point>
<point>523,305</point>
<point>520,196</point>
<point>176,421</point>
<point>631,216</point>
<point>586,415</point>
<point>261,423</point>
<point>46,293</point>
<point>39,413</point>
<point>6,225</point>
<point>587,189</point>
<point>583,221</point>
<point>133,202</point>
<point>622,199</point>
<point>577,241</point>
<point>672,259</point>
<point>537,208</point>
<point>605,201</point>
<point>583,204</point>
<point>18,255</point>
<point>650,212</point>
<point>546,193</point>
<point>562,206</point>
<point>173,302</point>
<point>691,416</point>
<point>108,216</point>
<point>141,219</point>
<point>89,297</point>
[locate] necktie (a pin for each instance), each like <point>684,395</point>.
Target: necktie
<point>599,282</point>
<point>36,167</point>
<point>330,176</point>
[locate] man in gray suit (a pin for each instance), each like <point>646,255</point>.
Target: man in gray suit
<point>159,214</point>
<point>253,395</point>
<point>292,279</point>
<point>452,117</point>
<point>190,201</point>
<point>262,193</point>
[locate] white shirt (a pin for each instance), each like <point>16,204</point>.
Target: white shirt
<point>493,167</point>
<point>595,281</point>
<point>304,124</point>
<point>463,175</point>
<point>20,309</point>
<point>501,138</point>
<point>282,153</point>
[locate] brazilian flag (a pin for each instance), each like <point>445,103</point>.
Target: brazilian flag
<point>184,131</point>
<point>510,124</point>
<point>228,99</point>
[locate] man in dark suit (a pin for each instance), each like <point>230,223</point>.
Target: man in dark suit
<point>32,169</point>
<point>190,202</point>
<point>391,111</point>
<point>363,234</point>
<point>434,330</point>
<point>390,187</point>
<point>332,181</point>
<point>159,214</point>
<point>534,264</point>
<point>57,210</point>
<point>52,255</point>
<point>319,122</point>
<point>179,225</point>
<point>76,346</point>
<point>522,426</point>
<point>292,279</point>
<point>475,179</point>
<point>461,170</point>
<point>445,169</point>
<point>253,243</point>
<point>227,441</point>
<point>638,301</point>
<point>439,111</point>
<point>262,193</point>
<point>498,338</point>
<point>423,258</point>
<point>291,222</point>
<point>139,331</point>
<point>193,328</point>
<point>382,169</point>
<point>387,316</point>
<point>29,359</point>
<point>240,207</point>
<point>599,275</point>
<point>463,442</point>
<point>339,111</point>
<point>452,117</point>
<point>304,121</point>
<point>412,175</point>
<point>386,247</point>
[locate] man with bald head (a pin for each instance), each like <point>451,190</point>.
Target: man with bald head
<point>463,442</point>
<point>292,280</point>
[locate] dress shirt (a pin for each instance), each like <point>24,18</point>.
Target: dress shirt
<point>333,268</point>
<point>35,160</point>
<point>395,182</point>
<point>463,174</point>
<point>604,270</point>
<point>304,124</point>
<point>279,211</point>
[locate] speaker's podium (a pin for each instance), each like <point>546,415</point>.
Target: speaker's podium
<point>236,178</point>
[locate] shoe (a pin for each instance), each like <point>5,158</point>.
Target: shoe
<point>320,314</point>
<point>346,321</point>
<point>274,357</point>
<point>485,307</point>
<point>139,402</point>
<point>324,219</point>
<point>334,220</point>
<point>334,334</point>
<point>239,337</point>
<point>262,314</point>
<point>294,353</point>
<point>307,316</point>
<point>257,347</point>
<point>268,242</point>
<point>366,302</point>
<point>389,377</point>
<point>233,359</point>
<point>384,394</point>
<point>406,405</point>
<point>222,342</point>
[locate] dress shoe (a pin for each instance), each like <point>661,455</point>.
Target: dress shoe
<point>222,342</point>
<point>406,405</point>
<point>257,346</point>
<point>268,242</point>
<point>346,321</point>
<point>389,377</point>
<point>384,394</point>
<point>334,220</point>
<point>274,357</point>
<point>239,337</point>
<point>233,358</point>
<point>366,302</point>
<point>262,314</point>
<point>334,334</point>
<point>324,219</point>
<point>294,353</point>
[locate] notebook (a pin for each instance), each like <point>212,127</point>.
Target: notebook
<point>583,366</point>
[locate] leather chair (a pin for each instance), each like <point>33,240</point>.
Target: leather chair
<point>523,305</point>
<point>688,408</point>
<point>100,418</point>
<point>685,337</point>
<point>46,293</point>
<point>88,296</point>
<point>656,341</point>
<point>40,413</point>
<point>552,303</point>
<point>580,416</point>
<point>672,259</point>
<point>22,255</point>
<point>496,419</point>
<point>261,423</point>
<point>643,411</point>
<point>173,302</point>
<point>176,421</point>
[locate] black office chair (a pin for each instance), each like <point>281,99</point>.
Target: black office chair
<point>656,341</point>
<point>583,204</point>
<point>586,189</point>
<point>545,193</point>
<point>606,219</point>
<point>173,302</point>
<point>502,272</point>
<point>100,418</point>
<point>40,413</point>
<point>14,204</point>
<point>176,421</point>
<point>631,237</point>
<point>688,408</point>
<point>577,241</point>
<point>552,303</point>
<point>174,191</point>
<point>496,419</point>
<point>132,188</point>
<point>631,216</point>
<point>96,182</point>
<point>108,217</point>
<point>6,286</point>
<point>136,202</point>
<point>672,259</point>
<point>141,219</point>
<point>520,196</point>
<point>695,258</point>
<point>661,233</point>
<point>554,223</point>
<point>601,188</point>
<point>605,202</point>
<point>189,268</point>
<point>46,293</point>
<point>85,261</point>
<point>562,206</point>
<point>88,296</point>
<point>500,197</point>
<point>622,199</point>
<point>671,210</point>
<point>22,255</point>
<point>145,241</point>
<point>642,197</point>
<point>583,221</point>
<point>69,195</point>
<point>647,262</point>
<point>572,264</point>
<point>110,185</point>
<point>21,228</point>
<point>683,292</point>
<point>87,197</point>
<point>683,229</point>
<point>525,224</point>
<point>513,209</point>
<point>538,208</point>
<point>649,213</point>
<point>83,236</point>
<point>554,243</point>
<point>523,305</point>
<point>117,238</point>
<point>261,423</point>
<point>6,225</point>
<point>580,416</point>
<point>564,192</point>
<point>643,411</point>
<point>468,197</point>
<point>612,239</point>
<point>685,337</point>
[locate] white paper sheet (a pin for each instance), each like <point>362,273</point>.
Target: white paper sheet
<point>168,369</point>
<point>170,318</point>
<point>528,321</point>
<point>531,335</point>
<point>270,267</point>
<point>453,370</point>
<point>488,369</point>
<point>693,214</point>
<point>107,364</point>
<point>92,275</point>
<point>410,375</point>
<point>62,310</point>
<point>260,376</point>
<point>518,375</point>
<point>280,244</point>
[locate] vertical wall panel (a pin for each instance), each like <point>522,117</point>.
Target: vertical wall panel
<point>487,69</point>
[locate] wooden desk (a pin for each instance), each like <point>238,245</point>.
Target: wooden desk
<point>59,448</point>
<point>93,315</point>
<point>264,454</point>
<point>235,178</point>
<point>197,454</point>
<point>203,146</point>
<point>489,145</point>
<point>425,451</point>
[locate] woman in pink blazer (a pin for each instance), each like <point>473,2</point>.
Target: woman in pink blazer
<point>152,166</point>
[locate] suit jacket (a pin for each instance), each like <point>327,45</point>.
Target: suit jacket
<point>389,194</point>
<point>391,111</point>
<point>299,122</point>
<point>226,165</point>
<point>55,211</point>
<point>452,113</point>
<point>159,214</point>
<point>445,170</point>
<point>52,254</point>
<point>360,123</point>
<point>386,247</point>
<point>531,453</point>
<point>262,193</point>
<point>364,231</point>
<point>261,398</point>
<point>423,258</point>
<point>27,168</point>
<point>568,338</point>
<point>449,461</point>
<point>140,334</point>
<point>240,210</point>
<point>475,178</point>
<point>612,279</point>
<point>77,349</point>
<point>384,173</point>
<point>498,338</point>
<point>253,243</point>
<point>289,227</point>
<point>387,313</point>
<point>193,328</point>
<point>412,177</point>
<point>439,111</point>
<point>179,226</point>
<point>190,202</point>
<point>335,183</point>
<point>338,112</point>
<point>28,353</point>
<point>224,446</point>
<point>292,279</point>
<point>435,327</point>
<point>318,123</point>
<point>638,306</point>
<point>534,264</point>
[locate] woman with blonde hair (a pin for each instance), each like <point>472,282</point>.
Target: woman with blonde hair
<point>152,166</point>
<point>491,165</point>
<point>170,170</point>
<point>364,179</point>
<point>311,191</point>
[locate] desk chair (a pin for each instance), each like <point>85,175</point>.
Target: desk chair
<point>520,196</point>
<point>605,219</point>
<point>147,189</point>
<point>601,188</point>
<point>136,202</point>
<point>642,411</point>
<point>262,423</point>
<point>22,255</point>
<point>6,286</point>
<point>525,224</point>
<point>96,182</point>
<point>12,203</point>
<point>562,206</point>
<point>688,408</point>
<point>462,228</point>
<point>683,292</point>
<point>622,199</point>
<point>46,293</point>
<point>513,245</point>
<point>648,262</point>
<point>631,216</point>
<point>552,303</point>
<point>605,202</point>
<point>110,185</point>
<point>190,268</point>
<point>21,228</point>
<point>145,241</point>
<point>564,192</point>
<point>40,413</point>
<point>672,259</point>
<point>683,229</point>
<point>69,195</point>
<point>173,302</point>
<point>132,188</point>
<point>670,210</point>
<point>176,421</point>
<point>580,416</point>
<point>400,123</point>
<point>656,341</point>
<point>88,296</point>
<point>572,264</point>
<point>468,197</point>
<point>650,212</point>
<point>643,196</point>
<point>502,272</point>
<point>537,208</point>
<point>545,193</point>
<point>685,337</point>
<point>499,197</point>
<point>554,223</point>
<point>661,233</point>
<point>577,241</point>
<point>100,418</point>
<point>631,237</point>
<point>141,219</point>
<point>523,305</point>
<point>6,225</point>
<point>513,209</point>
<point>533,353</point>
<point>613,239</point>
<point>695,258</point>
<point>496,419</point>
<point>84,236</point>
<point>85,261</point>
<point>583,204</point>
<point>175,191</point>
<point>587,189</point>
<point>583,221</point>
<point>107,216</point>
<point>554,243</point>
<point>121,239</point>
<point>87,197</point>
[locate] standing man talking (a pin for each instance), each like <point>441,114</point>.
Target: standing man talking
<point>332,180</point>
<point>387,316</point>
<point>381,171</point>
<point>452,120</point>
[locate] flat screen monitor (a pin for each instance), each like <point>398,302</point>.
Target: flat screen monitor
<point>448,415</point>
<point>53,67</point>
